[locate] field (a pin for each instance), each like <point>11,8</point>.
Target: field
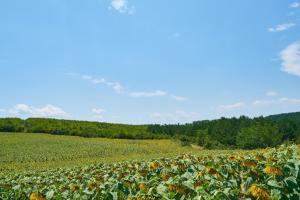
<point>38,166</point>
<point>28,151</point>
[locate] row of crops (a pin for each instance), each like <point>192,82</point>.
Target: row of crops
<point>27,151</point>
<point>262,174</point>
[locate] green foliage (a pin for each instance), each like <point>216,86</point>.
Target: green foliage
<point>11,125</point>
<point>205,140</point>
<point>87,129</point>
<point>259,135</point>
<point>77,128</point>
<point>185,140</point>
<point>242,132</point>
<point>294,116</point>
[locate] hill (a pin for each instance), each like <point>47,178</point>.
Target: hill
<point>294,116</point>
<point>242,132</point>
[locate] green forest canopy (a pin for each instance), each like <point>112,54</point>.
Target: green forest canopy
<point>242,132</point>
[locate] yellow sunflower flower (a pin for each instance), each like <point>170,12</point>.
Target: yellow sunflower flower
<point>249,163</point>
<point>142,186</point>
<point>211,171</point>
<point>172,187</point>
<point>92,186</point>
<point>165,177</point>
<point>275,171</point>
<point>154,165</point>
<point>231,158</point>
<point>200,174</point>
<point>259,193</point>
<point>35,196</point>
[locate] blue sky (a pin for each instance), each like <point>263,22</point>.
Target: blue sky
<point>149,61</point>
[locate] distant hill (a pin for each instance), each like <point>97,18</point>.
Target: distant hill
<point>241,132</point>
<point>295,116</point>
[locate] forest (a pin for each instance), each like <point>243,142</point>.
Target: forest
<point>223,133</point>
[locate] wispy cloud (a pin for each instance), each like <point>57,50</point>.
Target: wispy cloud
<point>49,110</point>
<point>264,102</point>
<point>295,5</point>
<point>179,98</point>
<point>290,57</point>
<point>122,6</point>
<point>279,101</point>
<point>98,81</point>
<point>148,94</point>
<point>98,112</point>
<point>86,77</point>
<point>116,86</point>
<point>119,4</point>
<point>271,93</point>
<point>290,100</point>
<point>281,27</point>
<point>120,89</point>
<point>230,107</point>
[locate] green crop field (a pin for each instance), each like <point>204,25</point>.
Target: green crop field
<point>41,166</point>
<point>27,151</point>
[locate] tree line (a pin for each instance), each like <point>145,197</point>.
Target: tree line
<point>242,132</point>
<point>77,128</point>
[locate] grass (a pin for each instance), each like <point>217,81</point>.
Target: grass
<point>28,151</point>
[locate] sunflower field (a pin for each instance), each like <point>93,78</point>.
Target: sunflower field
<point>262,174</point>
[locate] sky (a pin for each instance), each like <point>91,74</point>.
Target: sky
<point>151,61</point>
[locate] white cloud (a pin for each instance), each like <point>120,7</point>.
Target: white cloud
<point>230,107</point>
<point>86,77</point>
<point>281,27</point>
<point>179,98</point>
<point>289,100</point>
<point>120,89</point>
<point>119,4</point>
<point>271,94</point>
<point>148,94</point>
<point>31,111</point>
<point>98,81</point>
<point>280,101</point>
<point>98,112</point>
<point>122,6</point>
<point>117,87</point>
<point>295,5</point>
<point>263,102</point>
<point>290,57</point>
